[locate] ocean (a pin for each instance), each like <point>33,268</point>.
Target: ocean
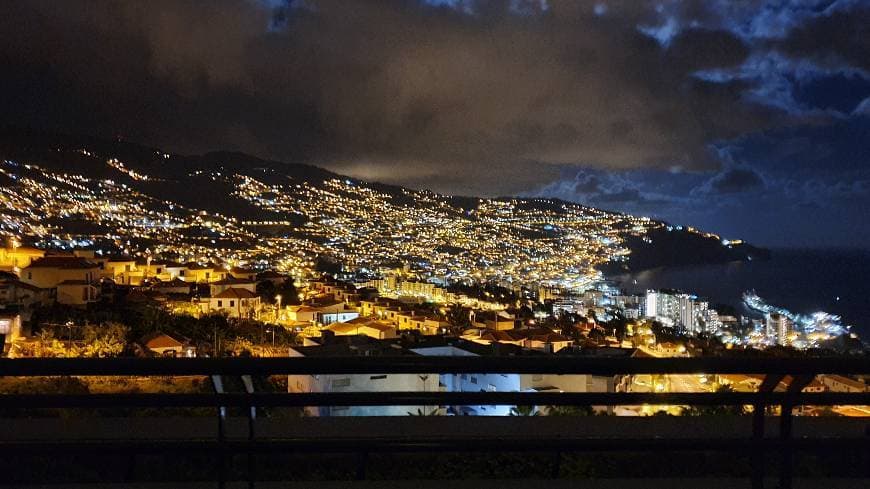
<point>804,281</point>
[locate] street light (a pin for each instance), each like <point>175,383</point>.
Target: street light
<point>69,326</point>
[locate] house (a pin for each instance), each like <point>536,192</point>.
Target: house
<point>170,270</point>
<point>243,274</point>
<point>379,330</point>
<point>167,346</point>
<point>489,336</point>
<point>77,292</point>
<point>18,257</point>
<point>840,383</point>
<point>426,324</point>
<point>236,303</point>
<point>174,286</point>
<point>495,320</point>
<point>164,345</point>
<point>546,340</point>
<point>271,276</point>
<point>194,272</point>
<point>122,270</point>
<point>74,278</point>
<point>301,313</point>
<point>219,286</point>
<point>326,318</point>
<point>15,292</point>
<point>49,271</point>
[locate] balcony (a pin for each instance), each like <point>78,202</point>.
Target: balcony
<point>247,438</point>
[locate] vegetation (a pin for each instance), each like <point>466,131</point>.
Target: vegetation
<point>114,329</point>
<point>715,410</point>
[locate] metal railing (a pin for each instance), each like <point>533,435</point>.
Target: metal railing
<point>796,372</point>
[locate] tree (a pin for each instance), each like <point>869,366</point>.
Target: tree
<point>421,412</point>
<point>457,316</point>
<point>239,346</point>
<point>49,346</point>
<point>715,410</point>
<point>592,316</point>
<point>570,411</point>
<point>267,291</point>
<point>525,411</point>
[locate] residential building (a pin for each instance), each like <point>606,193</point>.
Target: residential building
<point>18,257</point>
<point>73,279</point>
<point>236,303</point>
<point>363,346</point>
<point>373,328</point>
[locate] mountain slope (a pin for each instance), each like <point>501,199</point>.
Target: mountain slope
<point>58,190</point>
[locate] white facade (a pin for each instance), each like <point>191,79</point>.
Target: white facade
<point>511,383</point>
<point>364,383</point>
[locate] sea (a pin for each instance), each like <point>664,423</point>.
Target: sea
<point>802,280</point>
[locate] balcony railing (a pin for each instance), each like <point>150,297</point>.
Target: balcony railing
<point>758,441</point>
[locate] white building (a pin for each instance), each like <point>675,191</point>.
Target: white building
<point>778,327</point>
<point>509,382</point>
<point>425,382</point>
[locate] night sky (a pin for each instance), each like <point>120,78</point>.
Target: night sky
<point>748,118</point>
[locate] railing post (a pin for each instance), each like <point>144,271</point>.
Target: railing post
<point>252,416</point>
<point>557,464</point>
<point>786,460</point>
<point>758,453</point>
<point>795,387</point>
<point>362,462</point>
<point>218,385</point>
<point>757,448</point>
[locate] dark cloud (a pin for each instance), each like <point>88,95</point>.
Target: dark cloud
<point>694,111</point>
<point>701,49</point>
<point>399,88</point>
<point>841,36</point>
<point>733,180</point>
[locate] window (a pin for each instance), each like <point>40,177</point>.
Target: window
<point>337,383</point>
<point>377,377</point>
<point>159,270</point>
<point>473,380</point>
<point>181,273</point>
<point>220,303</point>
<point>232,303</point>
<point>29,275</point>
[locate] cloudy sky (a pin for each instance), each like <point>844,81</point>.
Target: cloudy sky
<point>749,118</point>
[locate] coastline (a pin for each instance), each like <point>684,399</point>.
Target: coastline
<point>801,280</point>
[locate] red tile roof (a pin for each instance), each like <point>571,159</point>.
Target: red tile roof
<point>236,293</point>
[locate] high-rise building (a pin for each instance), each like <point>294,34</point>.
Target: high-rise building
<point>688,319</point>
<point>779,327</point>
<point>651,303</point>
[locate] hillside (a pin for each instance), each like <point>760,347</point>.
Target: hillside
<point>115,196</point>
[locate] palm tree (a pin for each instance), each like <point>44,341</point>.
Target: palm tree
<point>421,412</point>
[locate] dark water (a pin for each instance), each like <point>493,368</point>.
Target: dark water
<point>800,280</point>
